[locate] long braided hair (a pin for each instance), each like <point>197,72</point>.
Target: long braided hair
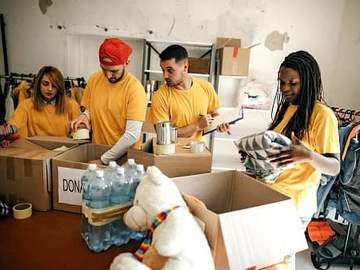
<point>311,90</point>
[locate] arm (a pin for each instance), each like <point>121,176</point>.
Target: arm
<point>84,117</point>
<point>130,137</point>
<point>214,105</point>
<point>203,122</point>
<point>298,153</point>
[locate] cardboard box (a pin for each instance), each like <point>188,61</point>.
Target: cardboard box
<point>247,223</point>
<point>25,171</point>
<point>222,42</point>
<point>183,162</point>
<point>67,169</point>
<point>234,61</point>
<point>148,127</point>
<point>199,65</point>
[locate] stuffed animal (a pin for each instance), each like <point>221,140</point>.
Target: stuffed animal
<point>174,238</point>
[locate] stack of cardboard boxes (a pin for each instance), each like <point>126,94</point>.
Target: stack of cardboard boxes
<point>234,60</point>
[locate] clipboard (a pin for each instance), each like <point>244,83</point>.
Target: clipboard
<point>221,119</point>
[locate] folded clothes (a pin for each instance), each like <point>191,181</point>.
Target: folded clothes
<point>4,209</point>
<point>257,148</point>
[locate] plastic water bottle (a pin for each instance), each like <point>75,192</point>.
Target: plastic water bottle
<point>86,179</point>
<point>120,233</point>
<point>110,172</point>
<point>130,167</point>
<point>138,176</point>
<point>99,190</point>
<point>89,175</point>
<point>119,188</point>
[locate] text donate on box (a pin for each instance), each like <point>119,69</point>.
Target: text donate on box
<point>70,188</point>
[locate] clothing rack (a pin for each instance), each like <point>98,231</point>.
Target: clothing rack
<point>70,82</point>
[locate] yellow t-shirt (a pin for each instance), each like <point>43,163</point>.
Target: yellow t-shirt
<point>184,107</point>
<point>323,138</point>
<point>46,122</point>
<point>111,105</point>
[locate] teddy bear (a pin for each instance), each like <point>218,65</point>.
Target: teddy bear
<point>174,239</point>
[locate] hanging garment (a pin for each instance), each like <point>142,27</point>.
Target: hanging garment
<point>257,148</point>
<point>76,93</point>
<point>2,102</point>
<point>23,91</point>
<point>9,104</point>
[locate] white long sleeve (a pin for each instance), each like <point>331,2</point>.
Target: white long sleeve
<point>130,137</point>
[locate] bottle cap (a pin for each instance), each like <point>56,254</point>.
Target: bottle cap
<point>120,170</point>
<point>92,167</point>
<point>131,161</point>
<point>112,164</point>
<point>99,173</point>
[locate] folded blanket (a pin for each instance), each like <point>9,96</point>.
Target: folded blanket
<point>257,147</point>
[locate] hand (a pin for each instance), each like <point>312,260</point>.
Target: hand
<point>214,113</point>
<point>204,121</point>
<point>153,259</point>
<point>296,153</point>
<point>4,143</point>
<point>81,119</point>
<point>224,127</point>
<point>98,162</point>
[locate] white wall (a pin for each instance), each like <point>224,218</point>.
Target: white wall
<point>324,28</point>
<point>346,78</point>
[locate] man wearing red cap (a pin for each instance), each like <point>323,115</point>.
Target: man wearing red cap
<point>114,101</point>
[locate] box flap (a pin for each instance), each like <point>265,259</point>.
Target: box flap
<point>52,143</point>
<point>21,143</point>
<point>262,235</point>
<point>217,185</point>
<point>83,153</point>
<point>222,42</point>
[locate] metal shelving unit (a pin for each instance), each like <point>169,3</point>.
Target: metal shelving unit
<point>152,46</point>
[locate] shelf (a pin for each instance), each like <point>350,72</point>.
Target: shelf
<point>232,77</point>
<point>225,139</point>
<point>192,74</point>
<point>186,43</point>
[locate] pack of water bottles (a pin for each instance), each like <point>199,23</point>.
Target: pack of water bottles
<point>107,194</point>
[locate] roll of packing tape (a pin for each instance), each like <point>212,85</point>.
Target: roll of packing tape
<point>22,210</point>
<point>165,149</point>
<point>82,134</point>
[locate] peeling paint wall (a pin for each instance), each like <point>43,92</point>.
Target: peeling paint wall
<point>37,36</point>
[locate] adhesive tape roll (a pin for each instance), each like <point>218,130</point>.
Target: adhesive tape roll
<point>22,210</point>
<point>82,134</point>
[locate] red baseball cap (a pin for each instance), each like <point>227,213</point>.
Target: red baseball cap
<point>113,52</point>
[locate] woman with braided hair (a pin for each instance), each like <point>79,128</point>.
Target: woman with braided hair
<point>312,126</point>
<point>303,116</point>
